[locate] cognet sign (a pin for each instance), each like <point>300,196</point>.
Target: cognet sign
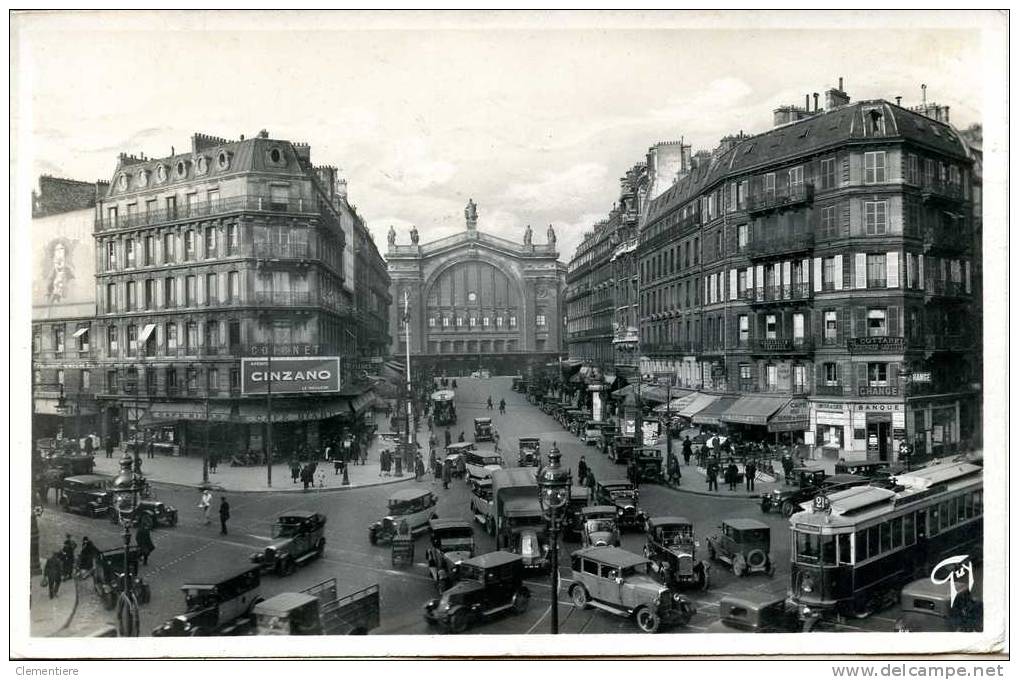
<point>290,375</point>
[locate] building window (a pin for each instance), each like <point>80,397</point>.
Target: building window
<point>171,336</point>
<point>132,298</point>
<point>877,374</point>
<point>742,236</point>
<point>770,327</point>
<point>169,248</point>
<point>82,338</point>
<point>473,321</point>
<point>876,217</point>
<point>171,379</point>
<point>828,273</point>
<point>189,244</point>
<point>874,167</point>
<point>827,173</point>
<point>877,325</point>
<point>189,291</point>
<point>111,255</point>
<point>212,380</point>
<point>744,329</point>
<point>912,169</point>
<point>540,321</point>
<point>58,338</point>
<point>769,185</point>
<point>796,177</point>
<point>212,196</point>
<point>111,339</point>
<point>513,322</point>
<point>150,293</point>
<point>191,336</point>
<point>235,379</point>
<point>799,378</point>
<point>459,321</point>
<point>829,227</point>
<point>745,374</point>
<point>211,338</point>
<point>169,292</point>
<point>771,377</point>
<point>86,379</point>
<point>696,250</point>
<point>111,297</point>
<point>445,322</point>
<point>831,373</point>
<point>485,322</point>
<point>112,215</point>
<point>111,382</point>
<point>278,196</point>
<point>234,286</point>
<point>232,239</point>
<point>498,322</point>
<point>129,252</point>
<point>876,270</point>
<point>132,338</point>
<point>210,241</point>
<point>798,328</point>
<point>211,289</point>
<point>431,322</point>
<point>831,325</point>
<point>875,122</point>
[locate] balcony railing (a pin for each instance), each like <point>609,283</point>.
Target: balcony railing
<point>783,245</point>
<point>283,298</point>
<point>954,240</point>
<point>947,342</point>
<point>938,189</point>
<point>830,390</point>
<point>944,288</point>
<point>778,294</point>
<point>782,345</point>
<point>784,198</point>
<point>204,209</point>
<point>282,250</point>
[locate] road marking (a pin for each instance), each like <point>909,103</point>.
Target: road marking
<point>536,623</point>
<point>260,538</point>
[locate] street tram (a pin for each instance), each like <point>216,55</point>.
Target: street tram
<point>443,407</point>
<point>853,550</point>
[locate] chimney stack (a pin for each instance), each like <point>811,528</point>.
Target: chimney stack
<point>946,114</point>
<point>898,101</point>
<point>840,84</point>
<point>806,105</point>
<point>816,95</point>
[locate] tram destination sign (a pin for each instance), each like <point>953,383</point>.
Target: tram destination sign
<point>290,375</point>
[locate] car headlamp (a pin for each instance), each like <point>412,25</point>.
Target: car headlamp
<point>807,585</point>
<point>676,597</point>
<point>619,511</point>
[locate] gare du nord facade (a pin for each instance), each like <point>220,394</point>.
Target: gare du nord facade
<point>818,283</point>
<point>166,291</point>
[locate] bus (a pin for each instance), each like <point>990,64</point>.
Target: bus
<point>854,549</point>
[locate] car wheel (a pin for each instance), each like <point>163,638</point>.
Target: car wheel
<point>648,620</point>
<point>788,509</point>
<point>521,601</point>
<point>579,596</point>
<point>756,559</point>
<point>458,621</point>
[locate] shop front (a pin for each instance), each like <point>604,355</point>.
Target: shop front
<point>829,423</point>
<point>711,415</point>
<point>934,426</point>
<point>878,429</point>
<point>751,415</point>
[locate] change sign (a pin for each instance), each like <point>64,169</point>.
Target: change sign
<point>290,375</point>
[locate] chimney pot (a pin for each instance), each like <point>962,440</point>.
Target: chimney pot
<point>840,82</point>
<point>898,101</point>
<point>807,104</point>
<point>946,114</point>
<point>815,101</point>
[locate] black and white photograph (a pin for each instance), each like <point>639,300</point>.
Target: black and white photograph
<point>404,334</point>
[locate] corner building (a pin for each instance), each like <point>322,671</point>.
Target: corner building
<point>815,281</point>
<point>216,253</point>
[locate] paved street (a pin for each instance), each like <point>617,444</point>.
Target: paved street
<point>192,547</point>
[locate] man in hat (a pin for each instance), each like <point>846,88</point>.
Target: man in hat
<point>224,514</point>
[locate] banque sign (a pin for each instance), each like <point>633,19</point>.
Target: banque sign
<point>290,375</point>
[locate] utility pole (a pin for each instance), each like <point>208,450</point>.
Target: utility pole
<point>268,438</point>
<point>205,457</point>
<point>406,329</point>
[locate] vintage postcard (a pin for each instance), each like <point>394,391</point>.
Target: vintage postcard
<point>447,334</point>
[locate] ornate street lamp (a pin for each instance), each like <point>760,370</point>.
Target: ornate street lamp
<point>553,493</point>
<point>127,488</point>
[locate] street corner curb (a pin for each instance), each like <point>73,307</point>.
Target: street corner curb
<point>709,494</point>
<point>220,488</point>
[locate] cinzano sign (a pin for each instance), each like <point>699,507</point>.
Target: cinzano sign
<point>290,375</point>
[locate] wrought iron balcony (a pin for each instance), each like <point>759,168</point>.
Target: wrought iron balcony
<point>783,245</point>
<point>283,298</point>
<point>782,346</point>
<point>283,250</point>
<point>831,390</point>
<point>937,190</point>
<point>205,209</point>
<point>772,295</point>
<point>785,198</point>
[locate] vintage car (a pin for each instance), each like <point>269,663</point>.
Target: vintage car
<point>480,464</point>
<point>110,567</point>
<point>621,448</point>
<point>935,608</point>
<point>754,611</point>
<point>573,521</point>
<point>481,504</point>
<point>574,419</point>
<point>451,542</point>
<point>519,384</point>
<point>483,431</point>
<point>489,584</point>
<point>649,463</point>
<point>672,548</point>
<point>621,494</point>
<point>456,457</point>
<point>87,495</point>
<point>872,469</point>
<point>529,452</point>
<point>788,500</point>
<point>598,526</point>
<point>220,603</point>
<point>592,431</point>
<point>621,583</point>
<point>745,544</point>
<point>413,506</point>
<point>297,538</point>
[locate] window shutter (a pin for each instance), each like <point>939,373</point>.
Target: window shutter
<point>818,326</point>
<point>750,278</point>
<point>861,375</point>
<point>817,274</point>
<point>965,269</point>
<point>804,271</point>
<point>893,322</point>
<point>759,276</point>
<point>861,270</point>
<point>732,284</point>
<point>920,272</point>
<point>844,217</point>
<point>707,289</point>
<point>892,274</point>
<point>844,163</point>
<point>859,322</point>
<point>838,271</point>
<point>787,278</point>
<point>893,375</point>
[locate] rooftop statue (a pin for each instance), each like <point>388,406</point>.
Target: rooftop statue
<point>527,236</point>
<point>391,236</point>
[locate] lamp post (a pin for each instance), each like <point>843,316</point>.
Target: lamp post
<point>553,492</point>
<point>126,488</point>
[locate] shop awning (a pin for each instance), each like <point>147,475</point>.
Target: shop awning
<point>80,332</point>
<point>292,413</point>
<point>754,409</point>
<point>677,400</point>
<point>362,402</point>
<point>623,392</point>
<point>146,332</point>
<point>651,393</point>
<point>171,413</point>
<point>711,413</point>
<point>792,417</point>
<point>692,403</point>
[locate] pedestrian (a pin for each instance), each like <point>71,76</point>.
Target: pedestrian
<point>363,451</point>
<point>454,384</point>
<point>461,437</point>
<point>88,445</point>
<point>447,473</point>
<point>52,573</point>
<point>109,447</point>
<point>787,468</point>
<point>590,481</point>
<point>732,474</point>
<point>150,449</point>
<point>712,475</point>
<point>419,469</point>
<point>495,438</point>
<point>449,437</point>
<point>205,503</point>
<point>213,462</point>
<point>143,537</point>
<point>582,470</point>
<point>488,404</point>
<point>224,514</point>
<point>67,553</point>
<point>321,478</point>
<point>295,469</point>
<point>337,466</point>
<point>672,469</point>
<point>432,440</point>
<point>687,450</point>
<point>329,452</point>
<point>87,556</point>
<point>502,406</point>
<point>750,471</point>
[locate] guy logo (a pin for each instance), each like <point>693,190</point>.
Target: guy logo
<point>957,566</point>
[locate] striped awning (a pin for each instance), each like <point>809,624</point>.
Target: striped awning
<point>711,414</point>
<point>755,409</point>
<point>692,403</point>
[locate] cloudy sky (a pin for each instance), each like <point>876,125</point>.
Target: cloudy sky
<point>534,116</point>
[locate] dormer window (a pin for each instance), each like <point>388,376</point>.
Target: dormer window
<point>182,169</point>
<point>161,173</point>
<point>875,122</point>
<point>122,182</point>
<point>202,165</point>
<point>223,160</point>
